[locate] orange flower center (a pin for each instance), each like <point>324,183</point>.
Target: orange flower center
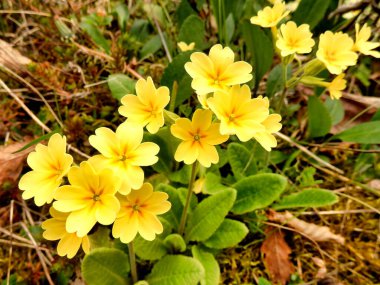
<point>123,158</point>
<point>136,207</point>
<point>197,137</point>
<point>96,197</point>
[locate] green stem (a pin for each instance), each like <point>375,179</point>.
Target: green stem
<point>173,97</point>
<point>283,94</point>
<point>188,199</point>
<point>132,261</point>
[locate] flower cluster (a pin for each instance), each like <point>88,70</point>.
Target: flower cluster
<point>336,51</point>
<point>217,81</point>
<point>107,189</point>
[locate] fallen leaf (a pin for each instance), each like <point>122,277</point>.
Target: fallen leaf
<point>314,232</point>
<point>11,164</point>
<point>276,256</point>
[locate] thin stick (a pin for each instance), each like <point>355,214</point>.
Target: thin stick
<point>37,120</point>
<point>132,261</point>
<point>10,243</point>
<point>39,253</point>
<point>162,39</point>
<point>15,243</point>
<point>131,71</point>
<point>35,91</point>
<point>188,199</point>
<point>308,152</point>
<point>359,201</point>
<point>26,109</point>
<point>338,212</point>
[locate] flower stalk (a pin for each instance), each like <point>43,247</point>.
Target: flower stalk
<point>188,199</point>
<point>132,261</point>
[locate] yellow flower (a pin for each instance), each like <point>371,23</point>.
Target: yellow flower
<point>336,86</point>
<point>90,198</point>
<point>138,214</point>
<point>55,229</point>
<point>49,163</point>
<point>146,109</point>
<point>186,47</point>
<point>293,39</point>
<point>217,70</point>
<point>199,138</point>
<point>239,114</point>
<point>123,152</point>
<point>362,43</point>
<point>270,17</point>
<point>335,51</point>
<point>272,125</point>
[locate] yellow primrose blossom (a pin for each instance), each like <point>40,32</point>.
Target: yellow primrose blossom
<point>272,125</point>
<point>293,39</point>
<point>90,198</point>
<point>123,152</point>
<point>69,243</point>
<point>146,109</point>
<point>336,86</point>
<point>335,51</point>
<point>185,47</point>
<point>138,214</point>
<point>362,43</point>
<point>270,16</point>
<point>199,138</point>
<point>49,163</point>
<point>239,114</point>
<point>216,71</point>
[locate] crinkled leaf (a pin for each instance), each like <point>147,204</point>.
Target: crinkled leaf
<point>211,266</point>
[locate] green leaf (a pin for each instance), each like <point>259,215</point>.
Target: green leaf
<point>260,48</point>
<point>176,270</point>
<point>184,10</point>
<point>258,191</point>
<point>174,214</point>
<point>150,250</point>
<point>150,47</point>
<point>105,266</point>
<point>310,12</point>
<point>319,118</point>
<point>120,85</point>
<point>307,198</point>
<point>176,72</point>
<point>95,34</point>
<point>175,242</point>
<point>211,266</point>
<point>263,281</point>
<point>367,133</point>
<point>36,141</point>
<point>229,234</point>
<point>209,215</point>
<point>335,109</point>
<point>192,30</point>
<point>241,160</point>
<point>122,15</point>
<point>101,238</point>
<point>212,184</point>
<point>155,249</point>
<point>275,82</point>
<point>230,27</point>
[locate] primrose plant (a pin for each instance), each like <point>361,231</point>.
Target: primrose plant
<point>179,230</point>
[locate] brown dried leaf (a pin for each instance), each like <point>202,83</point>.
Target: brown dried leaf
<point>314,232</point>
<point>276,256</point>
<point>11,164</point>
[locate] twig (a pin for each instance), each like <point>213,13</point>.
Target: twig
<point>338,212</point>
<point>10,243</point>
<point>308,152</point>
<point>40,254</point>
<point>360,202</point>
<point>37,120</point>
<point>162,37</point>
<point>14,236</point>
<point>35,91</point>
<point>26,109</point>
<point>347,180</point>
<point>329,146</point>
<point>131,71</point>
<point>15,243</point>
<point>349,7</point>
